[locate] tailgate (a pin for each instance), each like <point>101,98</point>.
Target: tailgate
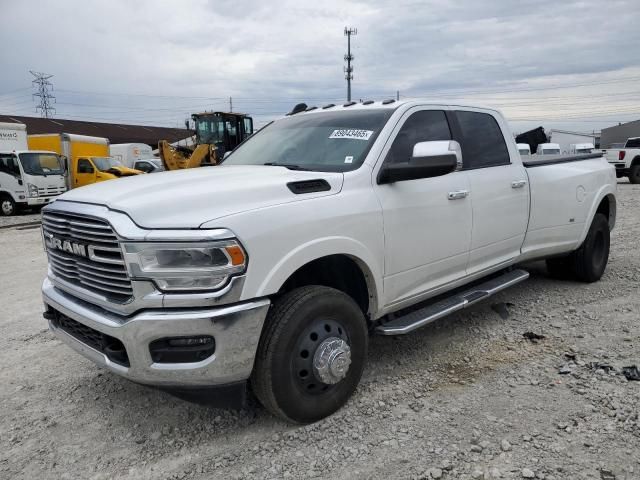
<point>612,155</point>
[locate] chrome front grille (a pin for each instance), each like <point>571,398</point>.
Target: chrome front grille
<point>94,263</point>
<point>50,191</point>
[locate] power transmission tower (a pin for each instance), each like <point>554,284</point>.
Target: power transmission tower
<point>42,83</point>
<point>348,70</point>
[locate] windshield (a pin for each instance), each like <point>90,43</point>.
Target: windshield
<point>524,151</point>
<point>331,141</point>
<point>157,164</point>
<point>210,130</point>
<point>551,151</point>
<point>41,164</point>
<point>105,163</point>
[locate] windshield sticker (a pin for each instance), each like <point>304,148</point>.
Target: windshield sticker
<point>351,133</point>
<point>348,159</point>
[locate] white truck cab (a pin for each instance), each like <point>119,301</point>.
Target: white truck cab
<point>129,153</point>
<point>28,178</point>
<point>524,149</point>
<point>148,165</point>
<point>548,149</point>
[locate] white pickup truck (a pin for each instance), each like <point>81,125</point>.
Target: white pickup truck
<point>626,160</point>
<point>272,269</point>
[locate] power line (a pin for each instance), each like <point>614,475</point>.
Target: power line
<point>46,99</point>
<point>348,70</point>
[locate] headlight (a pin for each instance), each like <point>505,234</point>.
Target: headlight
<point>32,189</point>
<point>186,266</point>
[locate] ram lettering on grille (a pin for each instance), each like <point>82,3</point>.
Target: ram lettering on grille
<point>84,253</point>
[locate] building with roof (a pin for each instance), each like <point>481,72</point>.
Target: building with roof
<point>115,132</point>
<point>620,133</point>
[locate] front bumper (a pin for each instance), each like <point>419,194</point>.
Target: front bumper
<point>235,328</point>
<point>34,201</point>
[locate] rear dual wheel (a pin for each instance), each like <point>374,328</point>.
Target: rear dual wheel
<point>589,262</point>
<point>311,354</point>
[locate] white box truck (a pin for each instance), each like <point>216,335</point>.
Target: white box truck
<point>129,153</point>
<point>28,178</point>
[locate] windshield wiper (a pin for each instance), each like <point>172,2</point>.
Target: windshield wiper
<point>290,166</point>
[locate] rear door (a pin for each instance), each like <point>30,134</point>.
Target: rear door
<point>499,191</point>
<point>427,230</point>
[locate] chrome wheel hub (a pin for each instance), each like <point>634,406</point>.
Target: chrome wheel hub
<point>331,360</point>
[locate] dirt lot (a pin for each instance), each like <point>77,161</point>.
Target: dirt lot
<point>467,397</point>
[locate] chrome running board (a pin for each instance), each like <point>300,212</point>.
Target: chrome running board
<point>419,318</point>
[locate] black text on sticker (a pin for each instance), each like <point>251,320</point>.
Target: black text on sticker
<point>351,133</point>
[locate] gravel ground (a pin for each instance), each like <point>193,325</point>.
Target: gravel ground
<point>26,216</point>
<point>465,398</point>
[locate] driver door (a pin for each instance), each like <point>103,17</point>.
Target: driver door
<point>85,173</point>
<point>427,230</point>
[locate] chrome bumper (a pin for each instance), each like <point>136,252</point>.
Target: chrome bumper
<point>235,328</point>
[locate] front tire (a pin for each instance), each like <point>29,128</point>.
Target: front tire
<point>311,354</point>
<point>634,174</point>
<point>7,206</point>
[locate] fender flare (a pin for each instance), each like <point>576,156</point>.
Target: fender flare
<point>323,247</point>
<point>10,194</point>
<point>605,191</point>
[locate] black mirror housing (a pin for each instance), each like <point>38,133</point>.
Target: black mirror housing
<point>419,167</point>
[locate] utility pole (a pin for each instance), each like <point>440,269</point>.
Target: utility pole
<point>398,95</point>
<point>348,70</point>
<point>230,104</point>
<point>42,83</point>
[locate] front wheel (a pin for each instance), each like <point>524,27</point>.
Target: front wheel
<point>634,174</point>
<point>311,354</point>
<point>7,206</point>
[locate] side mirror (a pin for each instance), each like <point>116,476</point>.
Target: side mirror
<point>429,159</point>
<point>65,165</point>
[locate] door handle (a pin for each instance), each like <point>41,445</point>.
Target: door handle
<point>518,184</point>
<point>458,194</point>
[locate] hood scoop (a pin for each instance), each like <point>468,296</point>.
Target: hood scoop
<point>309,186</point>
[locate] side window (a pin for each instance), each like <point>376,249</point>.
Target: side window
<point>143,167</point>
<point>423,126</point>
<point>8,164</point>
<point>84,166</point>
<point>248,126</point>
<point>483,144</point>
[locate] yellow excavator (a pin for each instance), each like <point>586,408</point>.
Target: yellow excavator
<point>216,133</point>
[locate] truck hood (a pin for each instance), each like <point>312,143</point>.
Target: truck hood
<point>122,171</point>
<point>189,198</point>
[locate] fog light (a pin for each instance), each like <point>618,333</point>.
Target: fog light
<point>182,349</point>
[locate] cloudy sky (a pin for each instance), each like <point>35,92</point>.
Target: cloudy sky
<point>561,64</point>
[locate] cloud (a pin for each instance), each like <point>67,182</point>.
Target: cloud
<point>269,56</point>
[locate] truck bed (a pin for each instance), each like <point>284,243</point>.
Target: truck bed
<point>561,196</point>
